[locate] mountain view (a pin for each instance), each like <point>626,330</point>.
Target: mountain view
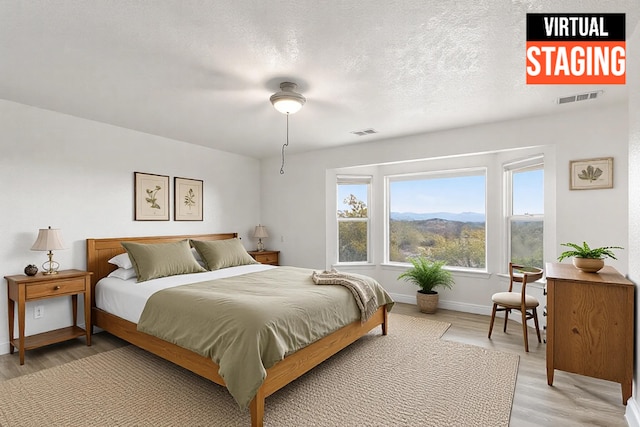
<point>455,230</point>
<point>462,217</point>
<point>456,239</point>
<point>459,239</point>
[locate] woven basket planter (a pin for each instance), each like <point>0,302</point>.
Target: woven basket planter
<point>427,303</point>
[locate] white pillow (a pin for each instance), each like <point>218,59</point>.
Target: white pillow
<point>196,255</point>
<point>123,273</point>
<point>122,261</point>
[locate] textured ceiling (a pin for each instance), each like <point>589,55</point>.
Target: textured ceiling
<point>203,71</point>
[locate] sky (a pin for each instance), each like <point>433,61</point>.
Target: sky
<point>453,194</point>
<point>528,192</point>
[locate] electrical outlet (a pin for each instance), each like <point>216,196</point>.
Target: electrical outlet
<point>38,311</point>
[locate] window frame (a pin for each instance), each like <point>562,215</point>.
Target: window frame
<point>354,180</point>
<point>509,169</point>
<point>436,174</point>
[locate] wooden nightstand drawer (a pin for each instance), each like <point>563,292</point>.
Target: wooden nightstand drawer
<point>266,257</point>
<point>61,287</point>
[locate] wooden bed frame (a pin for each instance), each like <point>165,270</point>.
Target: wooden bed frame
<point>99,251</point>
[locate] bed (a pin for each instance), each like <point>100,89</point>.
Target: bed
<point>100,251</point>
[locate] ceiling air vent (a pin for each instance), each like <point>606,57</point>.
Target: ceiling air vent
<point>579,97</point>
<point>364,132</point>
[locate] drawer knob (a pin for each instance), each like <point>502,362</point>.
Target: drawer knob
<point>55,288</point>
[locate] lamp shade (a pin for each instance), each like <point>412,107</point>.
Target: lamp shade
<point>260,232</point>
<point>48,239</point>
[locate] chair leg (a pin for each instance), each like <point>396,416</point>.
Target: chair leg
<point>524,330</point>
<point>535,321</point>
<point>506,318</point>
<point>493,317</point>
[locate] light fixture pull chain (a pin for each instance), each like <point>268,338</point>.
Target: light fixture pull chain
<point>286,144</point>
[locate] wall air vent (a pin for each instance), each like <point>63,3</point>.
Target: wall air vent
<point>579,97</point>
<point>364,132</point>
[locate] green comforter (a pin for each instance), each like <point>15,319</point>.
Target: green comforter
<point>247,323</point>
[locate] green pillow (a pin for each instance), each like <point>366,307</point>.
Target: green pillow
<point>218,254</point>
<point>152,261</point>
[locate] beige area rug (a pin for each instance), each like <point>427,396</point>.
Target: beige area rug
<point>408,378</point>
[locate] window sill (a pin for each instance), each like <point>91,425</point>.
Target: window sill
<point>354,265</point>
<point>456,271</point>
<point>541,283</point>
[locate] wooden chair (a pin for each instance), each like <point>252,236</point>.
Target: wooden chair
<point>520,301</point>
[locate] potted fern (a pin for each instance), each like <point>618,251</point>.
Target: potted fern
<point>587,259</point>
<point>427,275</point>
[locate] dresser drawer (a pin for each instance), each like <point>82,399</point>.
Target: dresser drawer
<point>59,287</point>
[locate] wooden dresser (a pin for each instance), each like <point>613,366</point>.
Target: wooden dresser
<point>590,326</point>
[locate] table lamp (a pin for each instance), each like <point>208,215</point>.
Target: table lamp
<point>260,233</point>
<point>49,239</point>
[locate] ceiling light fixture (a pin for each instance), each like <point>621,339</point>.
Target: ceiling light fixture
<point>287,101</point>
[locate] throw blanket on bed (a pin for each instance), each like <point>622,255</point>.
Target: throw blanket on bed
<point>362,288</point>
<point>247,323</point>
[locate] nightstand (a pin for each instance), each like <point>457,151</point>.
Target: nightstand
<point>266,257</point>
<point>23,288</point>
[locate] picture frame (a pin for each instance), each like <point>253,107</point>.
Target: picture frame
<point>151,197</point>
<point>188,199</point>
<point>591,174</point>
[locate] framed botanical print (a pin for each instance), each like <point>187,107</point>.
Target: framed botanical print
<point>187,199</point>
<point>591,174</point>
<point>151,196</point>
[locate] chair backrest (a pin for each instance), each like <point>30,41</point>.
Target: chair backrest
<point>523,274</point>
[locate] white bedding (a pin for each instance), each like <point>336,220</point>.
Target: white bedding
<point>127,298</point>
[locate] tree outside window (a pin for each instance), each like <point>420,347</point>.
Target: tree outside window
<point>525,213</point>
<point>353,220</point>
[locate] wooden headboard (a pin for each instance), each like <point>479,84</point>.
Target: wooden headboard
<point>100,251</point>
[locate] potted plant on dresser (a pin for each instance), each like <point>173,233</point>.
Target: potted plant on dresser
<point>427,275</point>
<point>587,259</point>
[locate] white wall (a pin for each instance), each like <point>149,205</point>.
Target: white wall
<point>296,212</point>
<point>633,69</point>
<point>77,175</point>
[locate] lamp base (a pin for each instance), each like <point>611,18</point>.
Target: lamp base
<point>260,246</point>
<point>50,267</point>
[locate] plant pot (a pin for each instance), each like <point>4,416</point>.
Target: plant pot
<point>588,265</point>
<point>427,303</point>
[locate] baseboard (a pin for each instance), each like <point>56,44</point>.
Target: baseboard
<point>446,305</point>
<point>632,414</point>
<point>468,308</point>
<point>403,298</point>
<point>465,307</point>
<point>4,348</point>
